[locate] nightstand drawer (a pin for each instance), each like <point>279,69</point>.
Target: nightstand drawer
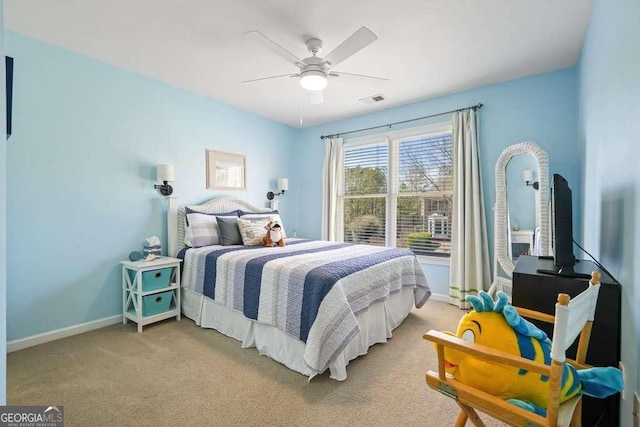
<point>154,279</point>
<point>520,238</point>
<point>156,303</point>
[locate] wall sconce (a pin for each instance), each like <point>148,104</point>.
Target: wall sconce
<point>527,177</point>
<point>165,174</point>
<point>283,185</point>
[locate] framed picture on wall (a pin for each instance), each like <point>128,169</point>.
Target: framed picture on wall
<point>225,171</point>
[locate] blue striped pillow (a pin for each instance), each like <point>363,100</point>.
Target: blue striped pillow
<point>202,228</point>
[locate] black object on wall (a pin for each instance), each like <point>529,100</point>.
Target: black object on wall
<point>537,291</point>
<point>9,77</point>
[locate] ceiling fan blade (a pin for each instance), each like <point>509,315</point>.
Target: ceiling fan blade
<point>357,41</point>
<point>340,74</point>
<point>272,77</point>
<point>274,47</point>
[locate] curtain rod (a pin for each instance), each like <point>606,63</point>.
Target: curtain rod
<point>473,107</point>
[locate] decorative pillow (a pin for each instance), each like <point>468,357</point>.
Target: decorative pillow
<point>269,216</point>
<point>252,230</point>
<point>229,231</point>
<point>202,228</point>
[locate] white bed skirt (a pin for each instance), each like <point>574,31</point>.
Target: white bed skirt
<point>376,325</point>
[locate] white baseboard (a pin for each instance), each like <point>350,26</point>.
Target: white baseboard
<point>439,297</point>
<point>27,342</point>
<point>34,340</point>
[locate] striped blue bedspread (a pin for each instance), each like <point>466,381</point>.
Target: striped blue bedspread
<point>309,289</point>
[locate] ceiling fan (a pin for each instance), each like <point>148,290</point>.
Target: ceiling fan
<point>314,71</point>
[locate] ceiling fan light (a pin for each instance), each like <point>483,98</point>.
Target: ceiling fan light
<point>313,80</point>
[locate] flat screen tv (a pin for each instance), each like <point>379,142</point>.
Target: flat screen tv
<point>8,61</point>
<point>562,230</point>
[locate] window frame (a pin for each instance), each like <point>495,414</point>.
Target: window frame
<point>392,139</point>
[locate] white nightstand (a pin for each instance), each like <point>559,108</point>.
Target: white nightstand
<point>521,243</point>
<point>150,290</point>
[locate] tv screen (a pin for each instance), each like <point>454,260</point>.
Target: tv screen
<point>562,214</point>
<point>9,82</point>
<point>562,222</point>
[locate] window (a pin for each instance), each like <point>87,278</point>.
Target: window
<point>398,190</point>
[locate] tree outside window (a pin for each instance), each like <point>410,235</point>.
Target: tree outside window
<point>399,193</point>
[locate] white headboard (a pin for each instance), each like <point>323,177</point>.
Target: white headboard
<point>175,216</point>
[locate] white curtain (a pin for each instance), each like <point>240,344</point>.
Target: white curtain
<point>332,179</point>
<point>469,248</point>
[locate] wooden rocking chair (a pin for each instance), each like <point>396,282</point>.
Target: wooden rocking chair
<point>573,318</point>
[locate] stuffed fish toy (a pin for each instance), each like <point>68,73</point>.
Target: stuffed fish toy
<point>498,325</point>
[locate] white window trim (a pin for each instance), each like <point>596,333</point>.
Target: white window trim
<point>392,139</point>
<point>398,134</point>
<point>392,202</point>
<point>434,260</point>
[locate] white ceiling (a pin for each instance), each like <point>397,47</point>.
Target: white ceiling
<point>425,48</point>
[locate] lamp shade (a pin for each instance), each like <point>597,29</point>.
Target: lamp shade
<point>527,175</point>
<point>283,184</point>
<point>313,80</point>
<point>164,173</point>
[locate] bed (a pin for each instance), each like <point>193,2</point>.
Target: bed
<point>311,305</point>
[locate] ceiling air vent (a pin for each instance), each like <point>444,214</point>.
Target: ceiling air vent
<point>373,99</point>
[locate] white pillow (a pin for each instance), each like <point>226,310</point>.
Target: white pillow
<point>252,230</point>
<point>202,228</point>
<point>269,216</point>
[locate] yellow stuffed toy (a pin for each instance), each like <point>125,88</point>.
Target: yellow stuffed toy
<point>498,325</point>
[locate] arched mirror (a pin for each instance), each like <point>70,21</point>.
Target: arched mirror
<point>521,214</point>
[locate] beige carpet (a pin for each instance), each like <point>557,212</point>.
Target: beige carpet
<point>176,373</point>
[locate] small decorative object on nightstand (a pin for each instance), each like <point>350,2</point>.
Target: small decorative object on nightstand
<point>150,290</point>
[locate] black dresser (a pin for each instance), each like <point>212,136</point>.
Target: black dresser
<point>539,292</point>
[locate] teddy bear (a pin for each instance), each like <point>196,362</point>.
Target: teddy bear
<point>274,235</point>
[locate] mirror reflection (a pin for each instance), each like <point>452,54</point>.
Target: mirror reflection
<point>521,216</point>
<point>521,204</point>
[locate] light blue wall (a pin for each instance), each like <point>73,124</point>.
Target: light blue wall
<point>82,164</point>
<point>541,108</point>
<point>609,100</point>
<point>3,226</point>
<point>81,168</point>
